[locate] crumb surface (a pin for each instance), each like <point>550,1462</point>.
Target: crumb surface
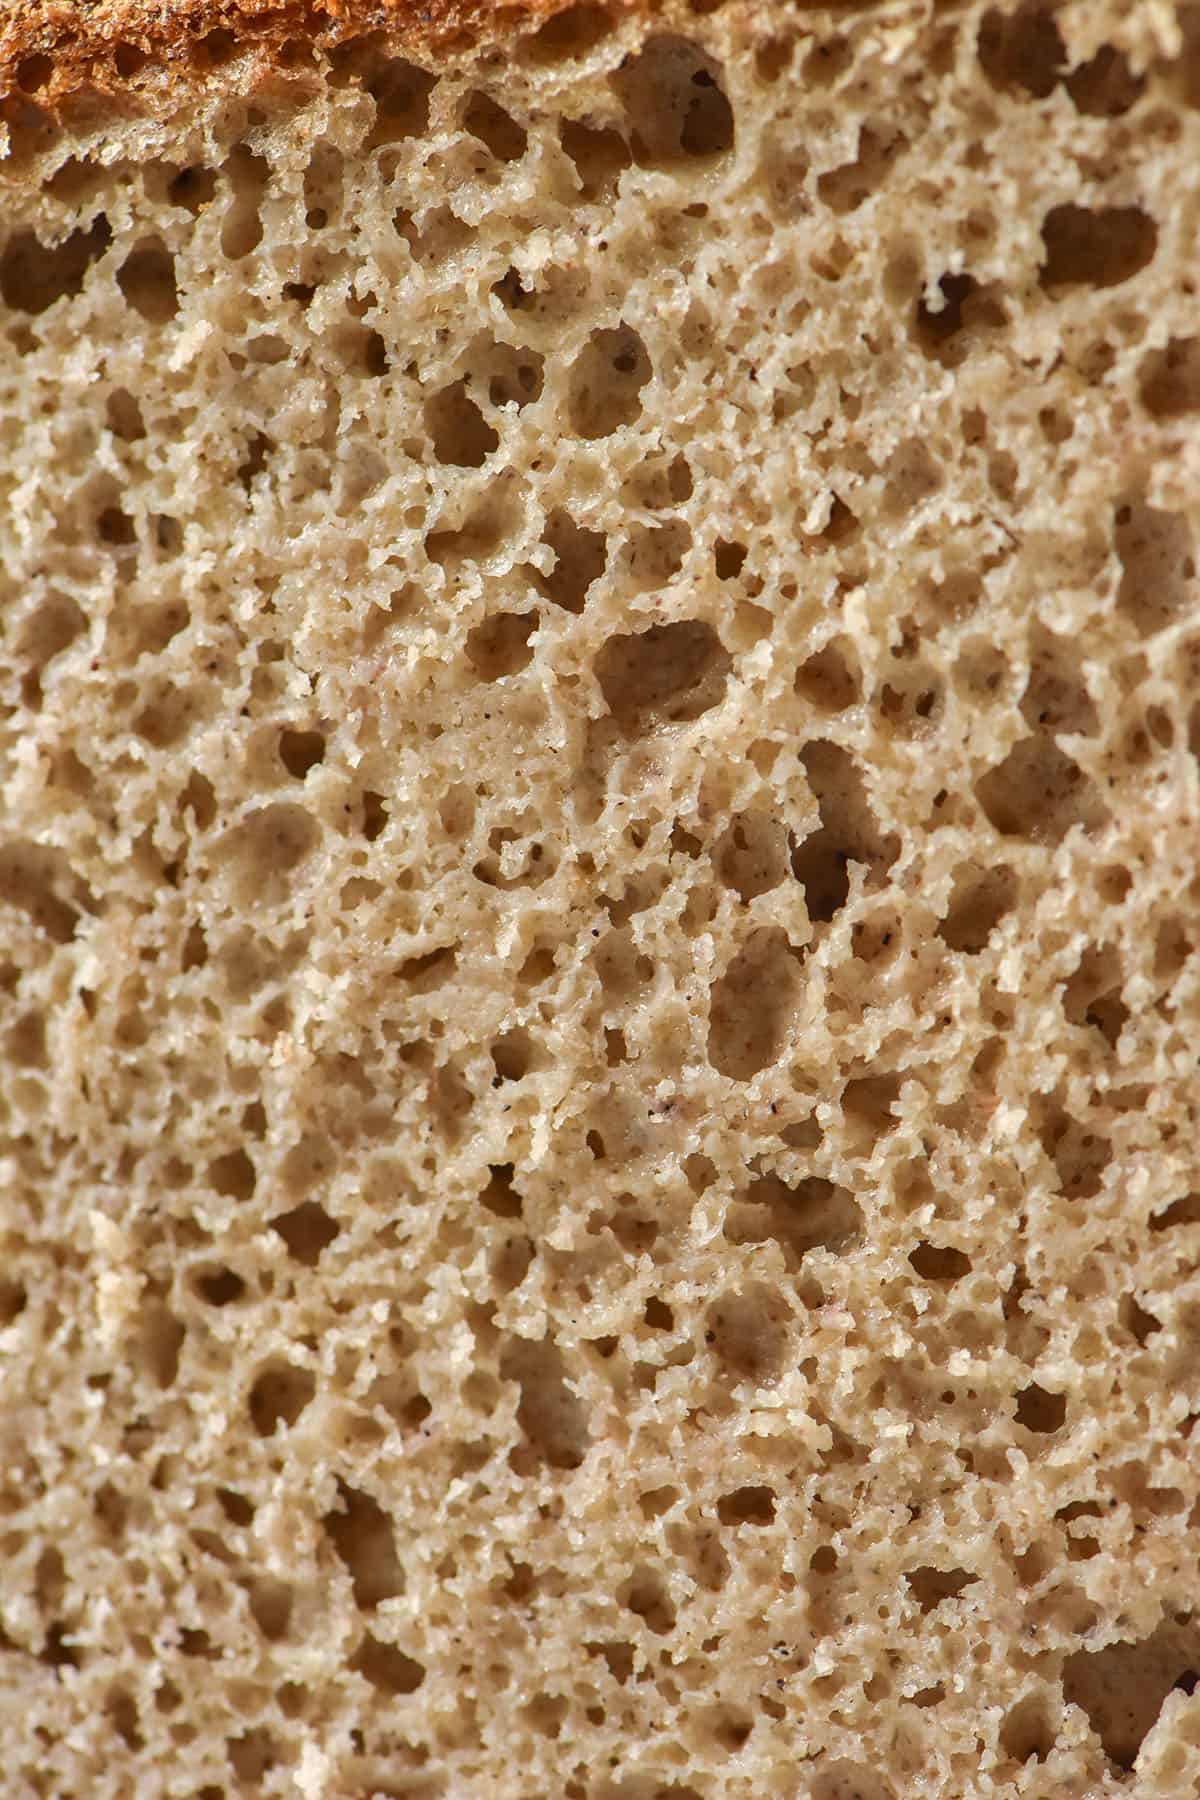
<point>599,913</point>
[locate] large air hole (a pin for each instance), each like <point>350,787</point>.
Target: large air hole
<point>271,844</point>
<point>1092,995</point>
<point>270,1603</point>
<point>930,1587</point>
<point>159,1341</point>
<point>979,900</point>
<point>1169,379</point>
<point>652,554</point>
<point>49,629</point>
<point>675,104</point>
<point>843,1780</point>
<point>279,1395</point>
<point>307,1231</point>
<point>606,382</point>
<point>389,1670</point>
<point>845,188</point>
<point>33,277</point>
<point>666,674</point>
<point>647,1595</point>
<point>747,1334</point>
<point>912,477</point>
<point>323,187</point>
<point>828,680</point>
<point>1022,48</point>
<point>1180,1212</point>
<point>752,1006</point>
<point>964,310</point>
<point>1039,794</point>
<point>599,155</point>
<point>1028,1730</point>
<point>1056,697</point>
<point>747,1506</point>
<point>1100,248</point>
<point>37,881</point>
<point>553,1419</point>
<point>814,1214</point>
<point>1122,1688</point>
<point>848,833</point>
<point>1105,86</point>
<point>247,176</point>
<point>940,1262</point>
<point>401,94</point>
<point>580,557</point>
<point>1158,565</point>
<point>362,1534</point>
<point>192,189</point>
<point>1041,1411</point>
<point>487,121</point>
<point>218,1286</point>
<point>570,34</point>
<point>147,280</point>
<point>514,377</point>
<point>232,1174</point>
<point>751,855</point>
<point>300,751</point>
<point>461,435</point>
<point>501,645</point>
<point>1080,1154</point>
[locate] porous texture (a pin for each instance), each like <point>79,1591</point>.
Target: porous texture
<point>599,912</point>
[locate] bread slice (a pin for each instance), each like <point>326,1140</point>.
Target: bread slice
<point>599,901</point>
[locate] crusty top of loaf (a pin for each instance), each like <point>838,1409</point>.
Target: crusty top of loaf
<point>52,49</point>
<point>55,49</point>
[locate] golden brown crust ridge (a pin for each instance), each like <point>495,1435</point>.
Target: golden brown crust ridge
<point>55,49</point>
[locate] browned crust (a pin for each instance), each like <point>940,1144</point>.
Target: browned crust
<point>58,48</point>
<point>53,50</point>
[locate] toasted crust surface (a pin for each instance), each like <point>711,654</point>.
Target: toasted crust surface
<point>53,50</point>
<point>56,47</point>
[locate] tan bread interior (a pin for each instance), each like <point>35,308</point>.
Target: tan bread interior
<point>599,914</point>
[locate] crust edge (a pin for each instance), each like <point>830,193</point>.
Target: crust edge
<point>119,49</point>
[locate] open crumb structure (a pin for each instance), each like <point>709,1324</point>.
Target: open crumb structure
<point>599,904</point>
